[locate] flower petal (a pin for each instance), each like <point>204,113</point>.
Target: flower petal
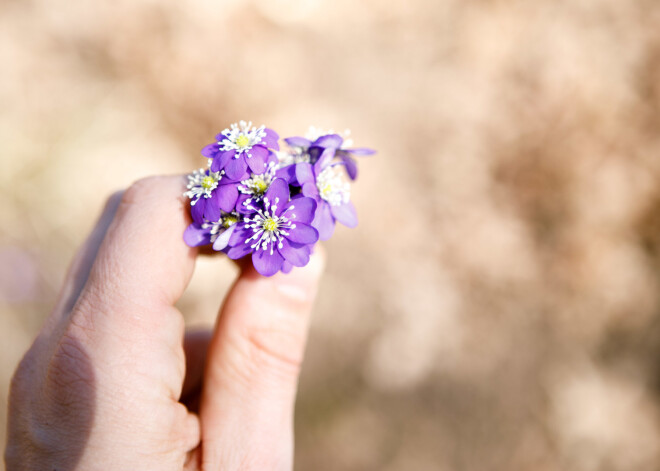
<point>323,221</point>
<point>278,191</point>
<point>310,189</point>
<point>197,210</point>
<point>346,214</point>
<point>297,141</point>
<point>303,210</point>
<point>324,160</point>
<point>288,173</point>
<point>239,251</point>
<point>360,151</point>
<point>221,159</point>
<point>240,204</point>
<point>271,139</point>
<point>304,173</point>
<point>351,167</point>
<point>210,150</point>
<point>296,254</point>
<point>267,263</point>
<point>223,239</point>
<point>257,161</point>
<point>211,210</point>
<point>329,140</point>
<point>236,167</point>
<point>303,234</point>
<point>286,267</point>
<point>225,197</point>
<point>194,236</point>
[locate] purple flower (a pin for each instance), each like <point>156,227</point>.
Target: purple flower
<point>253,189</point>
<point>331,191</point>
<point>325,148</point>
<point>212,232</point>
<point>240,147</point>
<point>209,193</point>
<point>277,233</point>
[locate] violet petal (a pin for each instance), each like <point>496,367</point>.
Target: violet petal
<point>346,214</point>
<point>211,208</point>
<point>303,209</point>
<point>239,251</point>
<point>351,167</point>
<point>271,139</point>
<point>194,236</point>
<point>236,167</point>
<point>310,189</point>
<point>360,151</point>
<point>267,263</point>
<point>297,256</point>
<point>288,173</point>
<point>297,141</point>
<point>257,161</point>
<point>286,267</point>
<point>303,234</point>
<point>304,173</point>
<point>323,221</point>
<point>197,210</point>
<point>223,239</point>
<point>324,160</point>
<point>278,190</point>
<point>329,140</point>
<point>226,196</point>
<point>240,234</point>
<point>210,150</point>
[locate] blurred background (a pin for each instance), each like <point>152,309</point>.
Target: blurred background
<point>498,306</point>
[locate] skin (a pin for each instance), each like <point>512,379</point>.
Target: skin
<point>113,381</point>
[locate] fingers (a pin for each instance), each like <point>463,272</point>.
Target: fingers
<point>82,263</point>
<point>252,370</point>
<point>195,345</point>
<point>141,268</point>
<point>143,259</point>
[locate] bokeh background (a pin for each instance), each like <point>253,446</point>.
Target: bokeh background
<point>496,309</point>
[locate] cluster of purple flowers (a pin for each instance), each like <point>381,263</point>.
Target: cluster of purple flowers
<point>253,199</point>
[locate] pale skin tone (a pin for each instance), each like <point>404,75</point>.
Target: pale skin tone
<point>113,381</point>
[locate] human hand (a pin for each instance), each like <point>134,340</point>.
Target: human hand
<point>112,381</point>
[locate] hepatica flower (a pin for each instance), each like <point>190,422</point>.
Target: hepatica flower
<point>209,193</point>
<point>327,145</point>
<point>212,232</point>
<point>276,231</point>
<point>273,206</point>
<point>329,188</point>
<point>239,147</point>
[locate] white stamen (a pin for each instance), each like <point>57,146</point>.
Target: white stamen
<point>268,228</point>
<point>202,183</point>
<point>333,186</point>
<point>241,137</point>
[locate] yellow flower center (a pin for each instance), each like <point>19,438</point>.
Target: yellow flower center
<point>270,224</point>
<point>229,221</point>
<point>208,182</point>
<point>242,141</point>
<point>326,191</point>
<point>260,186</point>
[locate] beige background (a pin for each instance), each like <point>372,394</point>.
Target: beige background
<point>496,309</point>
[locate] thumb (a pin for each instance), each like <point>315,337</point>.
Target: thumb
<point>252,369</point>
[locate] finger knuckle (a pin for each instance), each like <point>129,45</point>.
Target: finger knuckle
<point>272,355</point>
<point>140,190</point>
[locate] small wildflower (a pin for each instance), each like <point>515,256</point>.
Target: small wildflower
<point>276,232</point>
<point>201,183</point>
<point>331,192</point>
<point>274,206</point>
<point>241,146</point>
